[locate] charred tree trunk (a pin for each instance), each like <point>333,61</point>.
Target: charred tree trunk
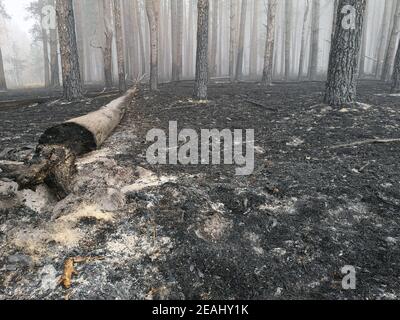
<point>254,40</point>
<point>80,39</point>
<point>270,43</point>
<point>200,88</point>
<point>54,67</point>
<point>343,60</point>
<point>152,9</point>
<point>107,49</point>
<point>69,52</point>
<point>45,41</point>
<point>59,146</point>
<point>288,32</point>
<point>120,45</point>
<point>233,38</point>
<point>177,38</point>
<point>242,28</point>
<point>316,9</point>
<point>396,72</point>
<point>384,31</point>
<point>391,52</point>
<point>214,40</point>
<point>363,51</point>
<point>303,40</point>
<point>141,39</point>
<point>3,83</point>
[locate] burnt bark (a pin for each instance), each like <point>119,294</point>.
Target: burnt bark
<point>69,51</point>
<point>270,43</point>
<point>313,70</point>
<point>396,72</point>
<point>242,28</point>
<point>3,83</point>
<point>214,39</point>
<point>54,66</point>
<point>232,38</point>
<point>108,41</point>
<point>254,40</point>
<point>152,9</point>
<point>288,33</point>
<point>344,56</point>
<point>177,38</point>
<point>303,40</point>
<point>200,88</point>
<point>120,45</point>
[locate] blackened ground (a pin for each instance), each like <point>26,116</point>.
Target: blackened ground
<point>284,232</point>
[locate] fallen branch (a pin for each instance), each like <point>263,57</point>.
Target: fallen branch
<point>60,145</point>
<point>363,142</point>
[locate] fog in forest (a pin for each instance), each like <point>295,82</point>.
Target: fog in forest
<point>302,25</point>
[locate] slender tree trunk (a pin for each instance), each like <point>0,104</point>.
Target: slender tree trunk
<point>214,39</point>
<point>80,39</point>
<point>233,38</point>
<point>3,83</point>
<point>45,41</point>
<point>396,72</point>
<point>363,51</point>
<point>316,9</point>
<point>72,84</point>
<point>270,43</point>
<point>384,31</point>
<point>200,88</point>
<point>288,40</point>
<point>240,55</point>
<point>343,60</point>
<point>55,70</point>
<point>254,40</point>
<point>120,45</point>
<point>304,40</point>
<point>152,9</point>
<point>107,49</point>
<point>177,38</point>
<point>391,52</point>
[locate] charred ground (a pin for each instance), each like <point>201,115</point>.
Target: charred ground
<point>199,231</point>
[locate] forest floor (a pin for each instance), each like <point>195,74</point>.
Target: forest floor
<point>200,232</point>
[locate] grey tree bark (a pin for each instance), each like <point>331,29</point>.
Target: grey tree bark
<point>3,83</point>
<point>177,34</point>
<point>303,40</point>
<point>270,43</point>
<point>72,84</point>
<point>54,67</point>
<point>120,45</point>
<point>384,32</point>
<point>254,40</point>
<point>391,52</point>
<point>343,60</point>
<point>108,41</point>
<point>396,72</point>
<point>242,30</point>
<point>316,10</point>
<point>232,38</point>
<point>200,88</point>
<point>152,9</point>
<point>288,32</point>
<point>214,39</point>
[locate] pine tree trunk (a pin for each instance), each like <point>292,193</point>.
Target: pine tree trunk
<point>270,43</point>
<point>69,51</point>
<point>343,60</point>
<point>391,52</point>
<point>232,38</point>
<point>200,88</point>
<point>363,51</point>
<point>177,38</point>
<point>152,15</point>
<point>242,28</point>
<point>107,49</point>
<point>120,46</point>
<point>214,39</point>
<point>254,40</point>
<point>3,84</point>
<point>54,67</point>
<point>384,31</point>
<point>288,31</point>
<point>80,39</point>
<point>315,40</point>
<point>396,72</point>
<point>45,40</point>
<point>303,40</point>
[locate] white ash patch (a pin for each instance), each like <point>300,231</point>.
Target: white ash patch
<point>295,142</point>
<point>280,207</point>
<point>214,228</point>
<point>147,179</point>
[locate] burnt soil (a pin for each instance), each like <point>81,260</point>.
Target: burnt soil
<point>284,232</point>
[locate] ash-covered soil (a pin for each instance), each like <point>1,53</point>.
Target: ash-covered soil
<point>200,232</point>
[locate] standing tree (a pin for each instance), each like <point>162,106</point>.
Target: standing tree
<point>152,9</point>
<point>288,32</point>
<point>72,84</point>
<point>384,32</point>
<point>177,38</point>
<point>54,67</point>
<point>107,49</point>
<point>214,39</point>
<point>303,40</point>
<point>343,59</point>
<point>270,43</point>
<point>120,45</point>
<point>200,88</point>
<point>232,38</point>
<point>242,28</point>
<point>391,52</point>
<point>316,9</point>
<point>396,72</point>
<point>3,83</point>
<point>254,39</point>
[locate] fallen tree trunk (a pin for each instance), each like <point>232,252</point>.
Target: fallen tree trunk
<point>54,160</point>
